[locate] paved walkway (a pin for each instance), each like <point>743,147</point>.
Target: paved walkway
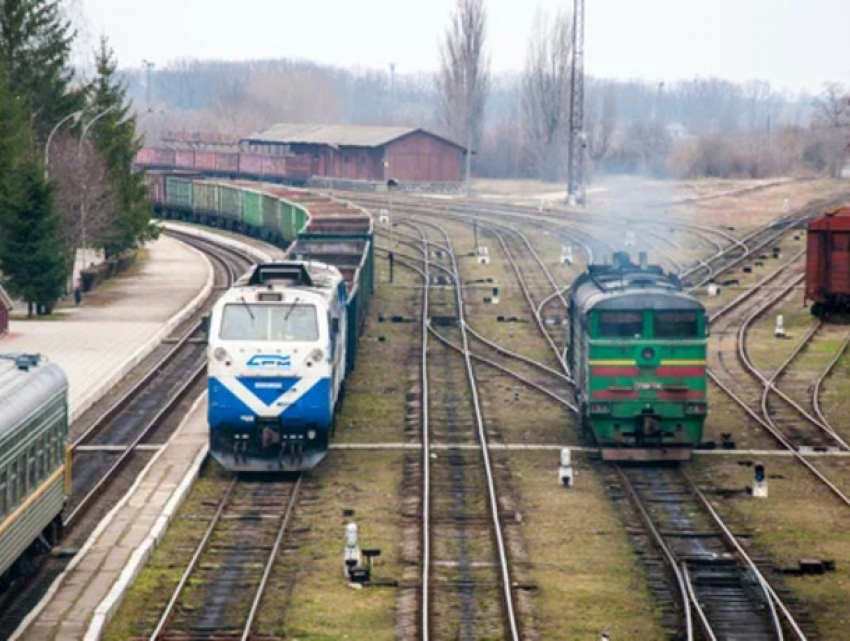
<point>119,323</point>
<point>85,597</point>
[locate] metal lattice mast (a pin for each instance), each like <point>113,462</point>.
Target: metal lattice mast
<point>575,177</point>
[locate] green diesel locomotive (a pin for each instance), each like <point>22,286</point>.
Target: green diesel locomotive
<point>637,350</point>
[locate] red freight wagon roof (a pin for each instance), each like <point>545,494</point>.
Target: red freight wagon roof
<point>835,219</point>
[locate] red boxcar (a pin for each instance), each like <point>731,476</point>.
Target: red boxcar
<point>251,165</point>
<point>828,262</point>
<point>165,158</point>
<point>228,162</point>
<point>145,156</point>
<point>206,160</point>
<point>185,159</point>
<point>274,166</point>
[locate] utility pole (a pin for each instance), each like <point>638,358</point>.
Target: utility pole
<point>148,65</point>
<point>575,178</point>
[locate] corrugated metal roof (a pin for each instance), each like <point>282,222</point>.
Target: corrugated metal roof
<point>337,135</point>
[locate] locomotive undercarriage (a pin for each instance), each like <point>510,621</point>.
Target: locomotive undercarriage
<point>269,446</point>
<point>647,437</point>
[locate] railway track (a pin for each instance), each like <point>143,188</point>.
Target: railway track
<point>113,441</point>
<point>466,589</point>
<point>222,587</point>
<point>716,590</point>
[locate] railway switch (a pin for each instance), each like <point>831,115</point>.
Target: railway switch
<point>565,473</point>
<point>759,481</point>
<point>779,332</point>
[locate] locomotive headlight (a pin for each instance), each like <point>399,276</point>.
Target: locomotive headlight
<point>220,354</point>
<point>647,354</point>
<point>311,434</point>
<point>600,408</point>
<point>695,408</point>
<point>316,355</point>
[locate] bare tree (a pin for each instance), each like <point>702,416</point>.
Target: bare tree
<point>83,194</point>
<point>600,127</point>
<point>832,121</point>
<point>546,91</point>
<point>464,76</point>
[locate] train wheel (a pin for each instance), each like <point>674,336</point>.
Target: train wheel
<point>818,310</point>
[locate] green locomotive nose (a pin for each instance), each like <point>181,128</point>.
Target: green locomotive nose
<point>638,349</point>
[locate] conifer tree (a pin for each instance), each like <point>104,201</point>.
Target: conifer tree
<point>35,45</point>
<point>30,242</point>
<point>115,136</point>
<point>30,246</point>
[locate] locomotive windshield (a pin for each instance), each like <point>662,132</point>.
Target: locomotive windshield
<point>620,324</point>
<point>250,322</point>
<point>676,325</point>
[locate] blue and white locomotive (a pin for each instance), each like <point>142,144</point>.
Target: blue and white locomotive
<point>277,362</point>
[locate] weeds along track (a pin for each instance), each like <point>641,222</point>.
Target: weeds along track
<point>114,440</point>
<point>466,589</point>
<point>731,369</point>
<point>700,572</point>
<point>222,587</point>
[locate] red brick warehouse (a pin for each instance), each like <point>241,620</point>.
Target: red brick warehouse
<point>376,154</point>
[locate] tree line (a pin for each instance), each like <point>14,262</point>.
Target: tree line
<point>66,149</point>
<point>517,122</point>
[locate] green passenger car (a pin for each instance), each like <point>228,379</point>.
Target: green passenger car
<point>637,350</point>
<point>33,429</point>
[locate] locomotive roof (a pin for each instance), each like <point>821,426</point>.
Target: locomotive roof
<point>22,392</point>
<point>625,286</point>
<point>292,273</point>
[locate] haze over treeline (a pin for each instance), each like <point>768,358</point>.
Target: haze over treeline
<point>698,127</point>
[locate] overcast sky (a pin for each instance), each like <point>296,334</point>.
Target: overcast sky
<point>795,44</point>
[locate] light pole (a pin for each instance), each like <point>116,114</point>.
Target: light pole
<point>86,128</point>
<point>76,117</point>
<point>148,65</point>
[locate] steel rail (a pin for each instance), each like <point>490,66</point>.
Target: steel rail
<point>504,566</point>
<point>773,599</point>
<point>669,557</point>
<point>261,588</point>
<point>193,562</point>
<point>819,382</point>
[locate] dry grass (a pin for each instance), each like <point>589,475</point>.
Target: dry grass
<point>588,577</point>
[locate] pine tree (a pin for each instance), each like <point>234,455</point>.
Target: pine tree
<point>35,45</point>
<point>115,136</point>
<point>30,246</point>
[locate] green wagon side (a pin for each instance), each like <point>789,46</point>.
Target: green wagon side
<point>179,194</point>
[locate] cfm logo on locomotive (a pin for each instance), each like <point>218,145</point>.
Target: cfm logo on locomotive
<point>274,361</point>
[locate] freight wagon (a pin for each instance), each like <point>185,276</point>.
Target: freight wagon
<point>285,169</point>
<point>828,263</point>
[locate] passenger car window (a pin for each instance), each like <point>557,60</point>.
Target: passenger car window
<point>676,325</point>
<point>620,324</point>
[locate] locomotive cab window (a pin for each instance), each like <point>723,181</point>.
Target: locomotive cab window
<point>289,322</point>
<point>675,324</point>
<point>620,324</point>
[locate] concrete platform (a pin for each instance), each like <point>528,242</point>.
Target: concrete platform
<point>119,323</point>
<point>83,599</point>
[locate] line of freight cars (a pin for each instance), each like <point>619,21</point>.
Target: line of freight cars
<point>290,169</point>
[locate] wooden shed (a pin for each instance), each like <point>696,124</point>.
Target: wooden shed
<point>354,152</point>
<point>5,308</point>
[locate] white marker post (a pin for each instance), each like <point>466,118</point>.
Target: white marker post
<point>351,556</point>
<point>779,332</point>
<point>565,473</point>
